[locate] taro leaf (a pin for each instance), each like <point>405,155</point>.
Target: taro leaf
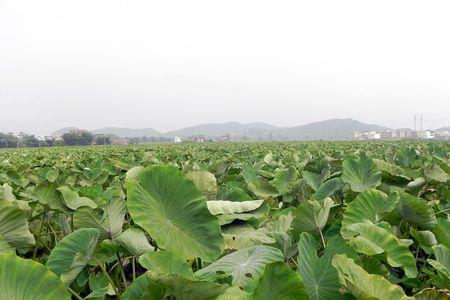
<point>319,276</point>
<point>133,173</point>
<point>14,227</point>
<point>425,238</point>
<point>435,173</point>
<point>166,263</point>
<point>5,247</point>
<point>73,200</point>
<point>6,193</point>
<point>262,188</point>
<point>187,289</point>
<point>134,241</point>
<point>442,262</point>
<point>371,239</point>
<point>416,212</point>
<point>144,288</point>
<point>99,286</point>
<point>243,236</point>
<point>312,216</point>
<point>280,282</point>
<point>389,168</point>
<point>166,204</point>
<point>205,181</point>
<point>364,285</point>
<point>52,175</point>
<point>328,188</point>
<point>361,173</point>
<point>223,207</point>
<point>29,280</point>
<point>73,253</point>
<point>432,294</point>
<point>279,228</point>
<point>109,223</point>
<point>314,180</point>
<point>284,180</point>
<point>48,195</point>
<point>369,205</point>
<point>244,266</point>
<point>442,232</point>
<point>256,214</point>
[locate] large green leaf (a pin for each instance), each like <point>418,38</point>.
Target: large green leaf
<point>442,262</point>
<point>244,266</point>
<point>243,236</point>
<point>144,288</point>
<point>363,285</point>
<point>361,173</point>
<point>369,205</point>
<point>328,188</point>
<point>134,241</point>
<point>73,200</point>
<point>23,279</point>
<point>442,232</point>
<point>319,276</point>
<point>262,188</point>
<point>73,253</point>
<point>416,212</point>
<point>167,205</point>
<point>284,180</point>
<point>372,240</point>
<point>14,227</point>
<point>166,263</point>
<point>205,181</point>
<point>109,222</point>
<point>312,216</point>
<point>280,282</point>
<point>222,207</point>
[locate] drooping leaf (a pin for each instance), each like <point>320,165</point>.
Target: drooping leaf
<point>364,285</point>
<point>28,280</point>
<point>284,180</point>
<point>73,200</point>
<point>372,240</point>
<point>243,236</point>
<point>222,207</point>
<point>134,241</point>
<point>72,253</point>
<point>205,181</point>
<point>312,216</point>
<point>361,173</point>
<point>416,212</point>
<point>14,227</point>
<point>109,223</point>
<point>442,262</point>
<point>280,282</point>
<point>172,210</point>
<point>244,266</point>
<point>165,263</point>
<point>262,188</point>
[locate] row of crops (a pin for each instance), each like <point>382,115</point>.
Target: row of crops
<point>340,220</point>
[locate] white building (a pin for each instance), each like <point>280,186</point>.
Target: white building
<point>178,139</point>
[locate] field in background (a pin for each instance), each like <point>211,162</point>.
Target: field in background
<point>304,220</point>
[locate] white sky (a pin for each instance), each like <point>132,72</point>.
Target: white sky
<point>169,64</point>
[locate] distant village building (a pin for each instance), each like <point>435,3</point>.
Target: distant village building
<point>178,139</point>
<point>399,134</point>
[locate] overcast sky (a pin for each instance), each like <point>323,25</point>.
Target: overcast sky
<point>170,64</point>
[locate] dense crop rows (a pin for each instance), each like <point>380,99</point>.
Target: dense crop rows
<point>226,221</point>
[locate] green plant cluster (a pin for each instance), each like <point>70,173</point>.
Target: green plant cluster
<point>231,221</point>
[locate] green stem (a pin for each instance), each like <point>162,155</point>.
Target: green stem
<point>122,272</point>
<point>133,267</point>
<point>107,276</point>
<point>321,237</point>
<point>74,293</point>
<point>38,237</point>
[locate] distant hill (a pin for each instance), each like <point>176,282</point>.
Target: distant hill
<point>334,129</point>
<point>127,132</point>
<point>64,130</point>
<point>219,129</point>
<point>338,129</point>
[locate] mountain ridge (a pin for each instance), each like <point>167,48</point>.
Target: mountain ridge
<point>326,129</point>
